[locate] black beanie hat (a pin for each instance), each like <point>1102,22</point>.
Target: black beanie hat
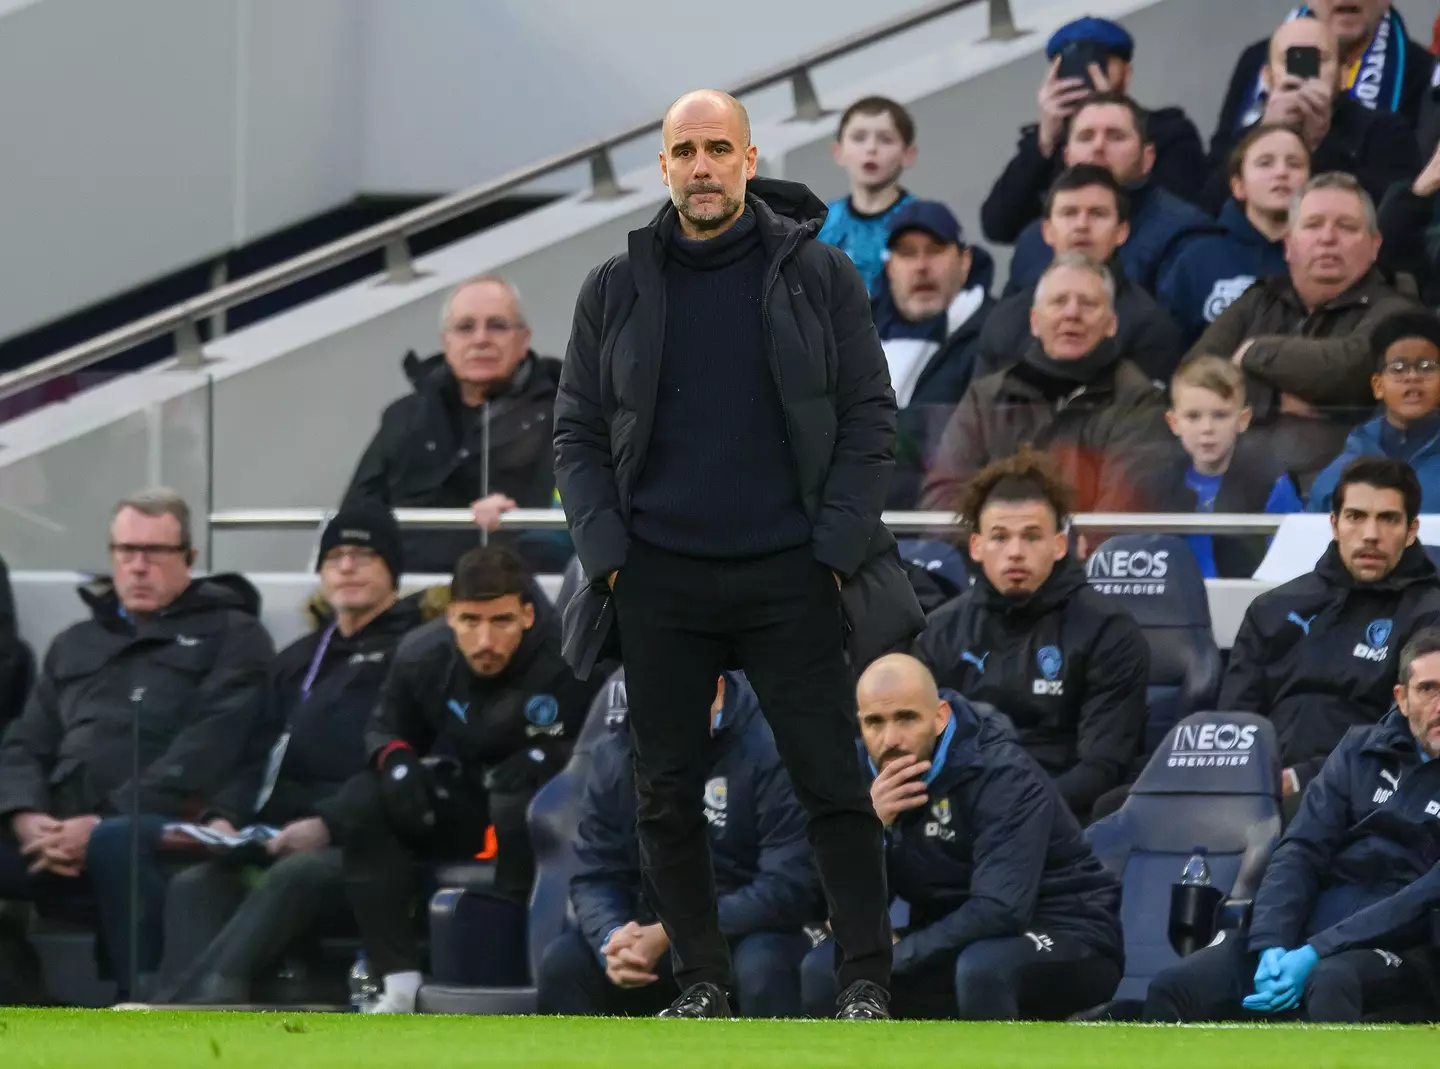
<point>366,525</point>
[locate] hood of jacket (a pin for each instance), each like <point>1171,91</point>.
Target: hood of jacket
<point>408,613</point>
<point>1392,735</point>
<point>958,750</point>
<point>227,590</point>
<point>1062,583</point>
<point>1239,227</point>
<point>1415,567</point>
<point>432,375</point>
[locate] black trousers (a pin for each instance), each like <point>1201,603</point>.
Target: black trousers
<point>220,923</point>
<point>572,979</point>
<point>1045,976</point>
<point>682,622</point>
<point>1343,988</point>
<point>381,867</point>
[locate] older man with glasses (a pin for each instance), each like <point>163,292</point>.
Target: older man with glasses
<point>165,677</point>
<point>475,433</point>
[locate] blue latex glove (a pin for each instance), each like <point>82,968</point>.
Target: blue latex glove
<point>1279,984</point>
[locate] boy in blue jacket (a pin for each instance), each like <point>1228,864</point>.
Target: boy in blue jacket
<point>617,959</point>
<point>1210,271</point>
<point>1407,383</point>
<point>1011,914</point>
<point>875,145</point>
<point>1341,921</point>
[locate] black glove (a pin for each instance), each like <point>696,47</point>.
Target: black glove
<point>524,770</point>
<point>405,791</point>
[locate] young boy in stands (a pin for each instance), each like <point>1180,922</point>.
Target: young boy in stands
<point>1208,416</point>
<point>1407,383</point>
<point>875,144</point>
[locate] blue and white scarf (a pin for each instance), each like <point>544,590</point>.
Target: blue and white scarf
<point>1378,83</point>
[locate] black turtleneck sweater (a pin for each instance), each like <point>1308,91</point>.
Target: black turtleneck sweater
<point>719,477</point>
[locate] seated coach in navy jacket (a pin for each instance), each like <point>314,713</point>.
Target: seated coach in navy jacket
<point>617,960</point>
<point>1011,913</point>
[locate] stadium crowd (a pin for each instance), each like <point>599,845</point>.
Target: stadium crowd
<point>1244,330</point>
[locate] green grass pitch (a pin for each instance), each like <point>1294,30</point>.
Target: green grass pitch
<point>69,1039</point>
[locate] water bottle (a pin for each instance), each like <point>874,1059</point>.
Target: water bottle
<point>1193,905</point>
<point>363,990</point>
<point>1197,870</point>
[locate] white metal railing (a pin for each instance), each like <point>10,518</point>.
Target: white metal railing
<point>899,522</point>
<point>393,236</point>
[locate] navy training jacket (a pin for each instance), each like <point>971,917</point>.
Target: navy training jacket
<point>764,874</point>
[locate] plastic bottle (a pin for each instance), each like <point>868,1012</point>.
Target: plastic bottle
<point>363,989</point>
<point>1197,870</point>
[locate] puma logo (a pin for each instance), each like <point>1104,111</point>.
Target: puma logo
<point>977,661</point>
<point>1393,778</point>
<point>1302,622</point>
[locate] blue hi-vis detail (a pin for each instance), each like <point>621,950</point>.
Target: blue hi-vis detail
<point>542,710</point>
<point>1049,660</point>
<point>1378,633</point>
<point>977,661</point>
<point>1302,622</point>
<point>461,711</point>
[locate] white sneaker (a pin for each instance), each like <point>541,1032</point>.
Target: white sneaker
<point>399,995</point>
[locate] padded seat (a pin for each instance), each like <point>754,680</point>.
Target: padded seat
<point>1213,783</point>
<point>1158,580</point>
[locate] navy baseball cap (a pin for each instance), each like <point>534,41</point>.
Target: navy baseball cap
<point>1111,36</point>
<point>930,216</point>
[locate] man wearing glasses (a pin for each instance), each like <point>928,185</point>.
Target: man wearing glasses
<point>185,656</point>
<point>475,433</point>
<point>1407,384</point>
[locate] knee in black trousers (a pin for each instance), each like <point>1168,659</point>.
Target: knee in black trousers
<point>572,982</point>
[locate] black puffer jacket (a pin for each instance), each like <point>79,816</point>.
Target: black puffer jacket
<point>195,673</point>
<point>325,727</point>
<point>1067,666</point>
<point>1319,654</point>
<point>429,453</point>
<point>433,703</point>
<point>834,388</point>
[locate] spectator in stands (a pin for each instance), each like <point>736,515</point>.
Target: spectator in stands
<point>223,929</point>
<point>1305,339</point>
<point>1099,417</point>
<point>1067,666</point>
<point>1343,133</point>
<point>1217,467</point>
<point>16,661</point>
<point>933,303</point>
<point>1411,240</point>
<point>875,145</point>
<point>1266,168</point>
<point>1042,153</point>
<point>1341,925</point>
<point>475,433</point>
<point>1087,212</point>
<point>1110,130</point>
<point>187,655</point>
<point>617,960</point>
<point>1011,914</point>
<point>1380,67</point>
<point>467,727</point>
<point>1316,654</point>
<point>1407,383</point>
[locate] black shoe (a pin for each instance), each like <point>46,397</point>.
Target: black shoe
<point>863,1001</point>
<point>699,1000</point>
